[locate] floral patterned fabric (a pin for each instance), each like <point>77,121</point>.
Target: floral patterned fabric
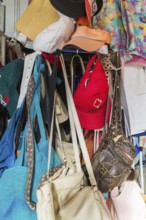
<point>126,21</point>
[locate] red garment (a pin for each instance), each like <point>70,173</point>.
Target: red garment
<point>50,57</point>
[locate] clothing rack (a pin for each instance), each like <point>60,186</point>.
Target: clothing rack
<point>77,51</point>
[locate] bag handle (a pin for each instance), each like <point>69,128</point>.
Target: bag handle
<point>38,113</point>
<point>73,133</point>
<point>78,127</point>
<point>56,121</point>
<point>48,86</point>
<point>72,69</point>
<point>74,139</point>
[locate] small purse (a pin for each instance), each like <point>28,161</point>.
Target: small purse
<point>31,163</point>
<point>57,187</point>
<point>113,159</point>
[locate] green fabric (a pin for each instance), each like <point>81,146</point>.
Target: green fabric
<point>10,76</point>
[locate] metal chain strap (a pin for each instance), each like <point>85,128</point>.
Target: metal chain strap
<point>116,120</point>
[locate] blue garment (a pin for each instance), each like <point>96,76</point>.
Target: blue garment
<point>7,151</point>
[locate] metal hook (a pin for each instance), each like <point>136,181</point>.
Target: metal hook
<point>77,51</point>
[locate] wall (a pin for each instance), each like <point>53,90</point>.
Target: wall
<point>12,9</point>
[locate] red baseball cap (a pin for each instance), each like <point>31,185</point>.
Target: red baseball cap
<point>91,95</point>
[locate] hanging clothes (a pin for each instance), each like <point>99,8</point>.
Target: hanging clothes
<point>129,204</point>
<point>134,88</point>
<point>126,20</point>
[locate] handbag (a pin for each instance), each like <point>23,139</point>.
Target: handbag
<point>113,159</point>
<point>13,181</point>
<point>54,161</point>
<point>67,195</point>
<point>40,12</point>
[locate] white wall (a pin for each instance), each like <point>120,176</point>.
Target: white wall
<point>12,9</point>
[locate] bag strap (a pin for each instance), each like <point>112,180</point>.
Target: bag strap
<point>78,127</point>
<point>116,115</point>
<point>30,145</point>
<point>116,119</point>
<point>56,121</point>
<point>20,125</point>
<point>72,69</point>
<point>32,91</point>
<point>73,135</point>
<point>48,86</point>
<point>74,140</point>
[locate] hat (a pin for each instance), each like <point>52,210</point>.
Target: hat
<point>10,76</point>
<point>91,94</point>
<point>89,39</point>
<point>70,8</point>
<point>55,35</point>
<point>37,16</point>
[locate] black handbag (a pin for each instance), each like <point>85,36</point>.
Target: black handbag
<point>113,159</point>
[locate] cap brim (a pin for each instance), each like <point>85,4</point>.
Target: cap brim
<point>89,45</point>
<point>92,121</point>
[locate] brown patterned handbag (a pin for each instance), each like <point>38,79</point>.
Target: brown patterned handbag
<point>113,159</point>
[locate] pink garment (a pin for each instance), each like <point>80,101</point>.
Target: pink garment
<point>129,204</point>
<point>137,60</point>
